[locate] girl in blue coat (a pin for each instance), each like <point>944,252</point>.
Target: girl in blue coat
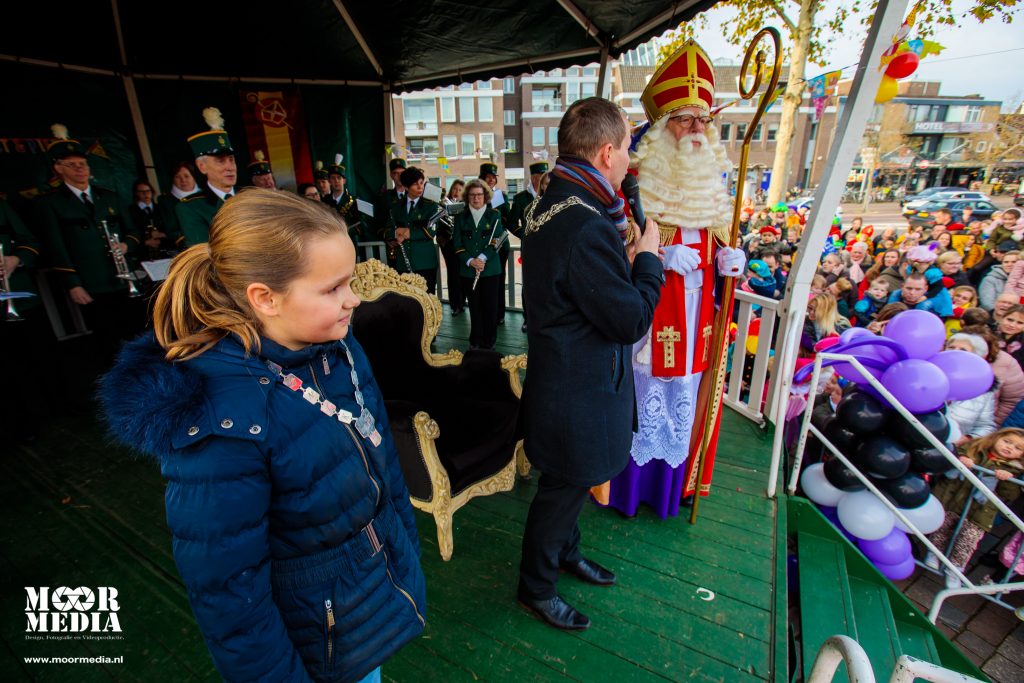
<point>291,522</point>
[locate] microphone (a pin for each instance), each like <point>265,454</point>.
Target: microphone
<point>631,190</point>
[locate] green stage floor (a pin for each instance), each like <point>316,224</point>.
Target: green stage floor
<point>79,511</point>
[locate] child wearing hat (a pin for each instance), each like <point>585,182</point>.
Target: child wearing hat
<point>759,280</point>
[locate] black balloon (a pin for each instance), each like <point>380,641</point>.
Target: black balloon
<point>883,457</point>
<point>908,491</point>
<point>930,460</point>
<point>840,476</point>
<point>935,422</point>
<point>860,412</point>
<point>842,437</point>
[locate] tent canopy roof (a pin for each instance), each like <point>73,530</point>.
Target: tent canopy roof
<point>410,45</point>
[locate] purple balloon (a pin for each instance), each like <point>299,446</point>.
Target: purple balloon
<point>969,375</point>
<point>919,385</point>
<point>850,372</point>
<point>829,513</point>
<point>854,333</point>
<point>921,333</point>
<point>879,353</point>
<point>891,549</point>
<point>899,571</point>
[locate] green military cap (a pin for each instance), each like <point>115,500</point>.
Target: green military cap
<point>260,166</point>
<point>63,146</point>
<point>488,168</point>
<point>539,167</point>
<point>337,168</point>
<point>320,173</point>
<point>215,141</point>
<point>396,163</point>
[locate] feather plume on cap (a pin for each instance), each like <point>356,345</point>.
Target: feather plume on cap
<point>319,165</point>
<point>214,119</point>
<point>338,158</point>
<point>60,131</point>
<point>259,155</point>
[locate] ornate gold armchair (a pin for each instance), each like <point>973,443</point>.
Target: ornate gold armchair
<point>454,417</point>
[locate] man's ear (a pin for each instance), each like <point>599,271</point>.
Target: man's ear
<point>262,299</point>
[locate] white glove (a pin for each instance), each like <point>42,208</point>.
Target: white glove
<point>681,258</point>
<point>643,356</point>
<point>731,262</point>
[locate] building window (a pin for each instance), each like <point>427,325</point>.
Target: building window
<point>574,71</point>
<point>741,131</point>
<point>773,132</point>
<point>724,129</point>
<point>510,117</point>
<point>466,109</point>
<point>508,85</point>
<point>423,147</point>
<point>590,71</point>
<point>572,93</point>
<point>588,90</point>
<point>486,108</point>
<point>468,145</point>
<point>451,146</point>
<point>973,115</point>
<point>553,136</point>
<point>419,111</point>
<point>511,145</point>
<point>981,146</point>
<point>448,109</point>
<point>538,136</point>
<point>757,133</point>
<point>514,187</point>
<point>465,86</point>
<point>547,99</point>
<point>486,143</point>
<point>814,130</point>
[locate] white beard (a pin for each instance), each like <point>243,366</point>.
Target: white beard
<point>681,185</point>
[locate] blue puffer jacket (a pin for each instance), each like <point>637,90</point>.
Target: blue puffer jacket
<point>294,536</point>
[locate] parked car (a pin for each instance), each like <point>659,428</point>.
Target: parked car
<point>927,193</point>
<point>911,207</point>
<point>924,214</point>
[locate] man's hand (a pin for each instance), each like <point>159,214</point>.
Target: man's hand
<point>680,258</point>
<point>123,247</point>
<point>731,262</point>
<point>650,240</point>
<point>401,234</point>
<point>80,296</point>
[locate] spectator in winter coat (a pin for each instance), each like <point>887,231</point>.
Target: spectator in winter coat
<point>1010,332</point>
<point>993,284</point>
<point>975,416</point>
<point>1008,374</point>
<point>951,265</point>
<point>1008,227</point>
<point>994,256</point>
<point>871,303</point>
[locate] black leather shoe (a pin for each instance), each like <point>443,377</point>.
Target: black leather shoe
<point>591,572</point>
<point>557,612</point>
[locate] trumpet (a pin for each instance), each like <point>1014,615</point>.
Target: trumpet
<point>124,271</point>
<point>5,288</point>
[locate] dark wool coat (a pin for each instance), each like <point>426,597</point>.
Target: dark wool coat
<point>586,308</point>
<point>269,502</point>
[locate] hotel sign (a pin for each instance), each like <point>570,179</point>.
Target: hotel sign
<point>953,127</point>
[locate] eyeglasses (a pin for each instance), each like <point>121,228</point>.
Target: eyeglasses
<point>686,120</point>
<point>476,194</point>
<point>76,165</point>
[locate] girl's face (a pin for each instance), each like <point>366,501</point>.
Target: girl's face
<point>945,239</point>
<point>1008,262</point>
<point>456,191</point>
<point>1011,324</point>
<point>184,181</point>
<point>317,307</point>
<point>1009,447</point>
<point>1008,219</point>
<point>962,299</point>
<point>810,313</point>
<point>891,259</point>
<point>831,262</point>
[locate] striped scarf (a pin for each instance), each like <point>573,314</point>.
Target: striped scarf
<point>582,173</point>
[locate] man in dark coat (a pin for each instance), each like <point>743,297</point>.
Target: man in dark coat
<point>587,307</point>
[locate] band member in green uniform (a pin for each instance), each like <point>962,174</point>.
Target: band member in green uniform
<point>517,214</point>
<point>478,233</point>
<point>415,249</point>
<point>215,158</point>
<point>321,180</point>
<point>343,202</point>
<point>260,172</point>
<point>149,220</point>
<point>71,220</point>
<point>386,201</point>
<point>489,174</point>
<point>183,184</point>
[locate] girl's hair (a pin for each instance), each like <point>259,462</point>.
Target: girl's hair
<point>975,316</point>
<point>1013,212</point>
<point>457,196</point>
<point>1016,308</point>
<point>843,285</point>
<point>477,183</point>
<point>819,282</point>
<point>983,445</point>
<point>970,290</point>
<point>876,269</point>
<point>826,315</point>
<point>259,236</point>
<point>889,311</point>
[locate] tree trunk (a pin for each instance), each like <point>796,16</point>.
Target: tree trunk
<point>791,100</point>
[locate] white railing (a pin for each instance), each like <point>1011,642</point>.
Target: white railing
<point>748,399</point>
<point>838,649</point>
<point>954,462</point>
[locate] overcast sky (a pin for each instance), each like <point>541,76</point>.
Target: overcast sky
<point>963,67</point>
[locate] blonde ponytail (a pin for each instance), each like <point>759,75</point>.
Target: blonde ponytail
<point>259,236</point>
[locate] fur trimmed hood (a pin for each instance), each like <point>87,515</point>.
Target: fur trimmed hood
<point>146,398</point>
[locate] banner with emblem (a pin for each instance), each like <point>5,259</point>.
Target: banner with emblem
<point>275,122</point>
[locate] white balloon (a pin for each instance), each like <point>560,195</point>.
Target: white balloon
<point>864,516</point>
<point>818,488</point>
<point>927,518</point>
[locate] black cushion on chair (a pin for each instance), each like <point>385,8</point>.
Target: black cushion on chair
<point>472,403</point>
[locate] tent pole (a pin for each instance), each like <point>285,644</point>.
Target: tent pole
<point>850,132</point>
<point>389,128</point>
<point>133,105</point>
<point>604,81</point>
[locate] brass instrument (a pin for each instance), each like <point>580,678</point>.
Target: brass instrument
<point>124,271</point>
<point>724,315</point>
<point>12,315</point>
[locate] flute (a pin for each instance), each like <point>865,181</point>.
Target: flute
<point>497,245</point>
<point>5,287</point>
